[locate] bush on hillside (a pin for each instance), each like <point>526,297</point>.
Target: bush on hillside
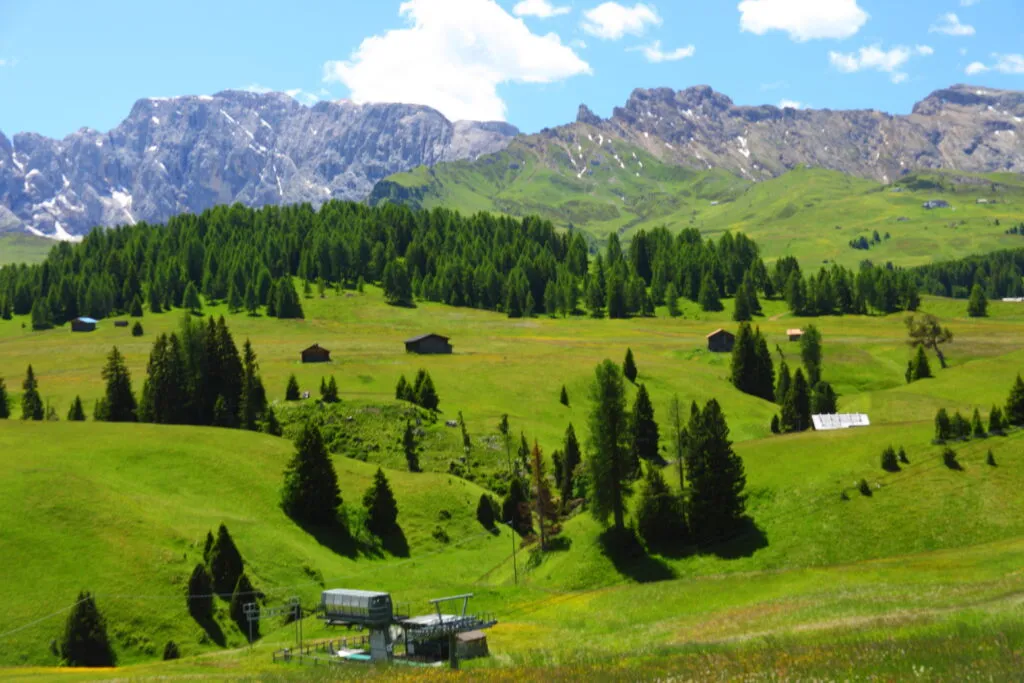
<point>990,459</point>
<point>225,562</point>
<point>485,511</point>
<point>199,594</point>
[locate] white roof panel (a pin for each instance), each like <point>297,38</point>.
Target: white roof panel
<point>824,423</point>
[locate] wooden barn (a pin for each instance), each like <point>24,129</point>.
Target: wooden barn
<point>428,344</point>
<point>721,341</point>
<point>83,325</point>
<point>316,354</point>
<point>795,335</point>
<point>120,323</point>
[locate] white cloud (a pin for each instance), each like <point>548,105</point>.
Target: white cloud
<point>790,104</point>
<point>1005,64</point>
<point>951,26</point>
<point>3,63</point>
<point>874,58</point>
<point>803,19</point>
<point>542,9</point>
<point>969,3</point>
<point>453,56</point>
<point>655,55</point>
<point>612,21</point>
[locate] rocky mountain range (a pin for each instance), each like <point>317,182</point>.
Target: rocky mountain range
<point>189,153</point>
<point>186,154</point>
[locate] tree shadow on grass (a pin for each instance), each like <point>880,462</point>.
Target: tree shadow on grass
<point>748,539</point>
<point>213,630</point>
<point>631,559</point>
<point>335,537</point>
<point>394,542</point>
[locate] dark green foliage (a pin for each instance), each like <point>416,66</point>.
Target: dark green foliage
<point>251,301</point>
<point>752,369</point>
<point>136,308</point>
<point>485,512</point>
<point>810,353</point>
<point>190,299</point>
<point>426,394</point>
<point>609,458</point>
<point>796,408</point>
<point>824,401</point>
<point>286,300</point>
<point>225,562</point>
<point>41,317</point>
<point>199,592</point>
<point>165,393</point>
<point>253,400</point>
<point>919,367</point>
<point>402,389</point>
<point>961,426</point>
<point>242,595</point>
<point>311,494</point>
<point>515,507</point>
<point>137,330</point>
<point>119,400</point>
<point>902,454</point>
<point>76,413</point>
<point>864,487</point>
<point>990,459</point>
<point>660,519</point>
<point>269,424</point>
<point>949,459</point>
<point>85,641</point>
<point>207,547</point>
<point>672,300</point>
<point>571,459</point>
<point>995,421</point>
<point>890,462</point>
<point>396,283</point>
<point>643,430</point>
<point>380,504</point>
<point>943,426</point>
<point>1014,413</point>
<point>977,305</point>
<point>5,401</point>
<point>31,402</point>
<point>291,392</point>
<point>329,390</point>
<point>708,298</point>
<point>563,398</point>
<point>742,306</point>
<point>775,427</point>
<point>411,448</point>
<point>977,428</point>
<point>926,331</point>
<point>629,366</point>
<point>523,453</point>
<point>717,503</point>
<point>171,651</point>
<point>785,379</point>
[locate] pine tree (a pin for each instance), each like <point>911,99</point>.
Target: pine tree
<point>5,401</point>
<point>329,390</point>
<point>796,409</point>
<point>764,369</point>
<point>571,459</point>
<point>235,301</point>
<point>242,595</point>
<point>426,395</point>
<point>782,388</point>
<point>563,398</point>
<point>890,462</point>
<point>253,401</point>
<point>672,300</point>
<point>943,426</point>
<point>199,594</point>
<point>380,504</point>
<point>291,392</point>
<point>919,367</point>
<point>137,329</point>
<point>225,562</point>
<point>76,413</point>
<point>744,360</point>
<point>136,308</point>
<point>741,305</point>
<point>977,428</point>
<point>990,459</point>
<point>708,297</point>
<point>825,401</point>
<point>31,402</point>
<point>252,302</point>
<point>485,512</point>
<point>716,505</point>
<point>85,641</point>
<point>608,464</point>
<point>629,367</point>
<point>401,389</point>
<point>190,299</point>
<point>269,423</point>
<point>311,494</point>
<point>119,400</point>
<point>995,421</point>
<point>660,519</point>
<point>543,501</point>
<point>410,448</point>
<point>1014,413</point>
<point>643,431</point>
<point>155,305</point>
<point>977,305</point>
<point>961,426</point>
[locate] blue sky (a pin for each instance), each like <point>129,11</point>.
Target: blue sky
<point>67,64</point>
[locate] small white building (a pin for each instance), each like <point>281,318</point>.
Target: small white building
<point>827,423</point>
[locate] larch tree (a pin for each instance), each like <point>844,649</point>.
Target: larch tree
<point>311,494</point>
<point>926,331</point>
<point>608,461</point>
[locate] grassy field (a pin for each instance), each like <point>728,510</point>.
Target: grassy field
<point>22,248</point>
<point>812,214</point>
<point>929,564</point>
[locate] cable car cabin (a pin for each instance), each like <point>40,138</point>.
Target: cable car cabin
<point>341,606</point>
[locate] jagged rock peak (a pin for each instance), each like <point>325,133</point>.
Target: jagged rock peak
<point>585,115</point>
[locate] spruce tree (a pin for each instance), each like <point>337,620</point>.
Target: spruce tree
<point>961,426</point>
<point>543,501</point>
<point>76,413</point>
<point>943,426</point>
<point>775,426</point>
<point>515,507</point>
<point>136,308</point>
<point>902,454</point>
<point>563,398</point>
<point>85,642</point>
<point>5,401</point>
<point>920,369</point>
<point>1014,413</point>
<point>824,401</point>
<point>269,423</point>
<point>199,594</point>
<point>571,459</point>
<point>716,505</point>
<point>252,302</point>
<point>291,392</point>
<point>744,360</point>
<point>643,430</point>
<point>225,562</point>
<point>137,330</point>
<point>311,494</point>
<point>708,297</point>
<point>401,389</point>
<point>741,311</point>
<point>660,519</point>
<point>380,504</point>
<point>810,353</point>
<point>977,305</point>
<point>782,388</point>
<point>796,409</point>
<point>426,395</point>
<point>890,462</point>
<point>410,448</point>
<point>190,299</point>
<point>329,390</point>
<point>608,462</point>
<point>629,366</point>
<point>764,369</point>
<point>253,401</point>
<point>977,428</point>
<point>31,402</point>
<point>119,400</point>
<point>672,300</point>
<point>485,512</point>
<point>995,421</point>
<point>243,594</point>
<point>990,459</point>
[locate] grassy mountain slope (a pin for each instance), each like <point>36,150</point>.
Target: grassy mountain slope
<point>23,248</point>
<point>574,176</point>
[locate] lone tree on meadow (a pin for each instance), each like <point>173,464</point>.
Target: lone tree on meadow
<point>977,305</point>
<point>199,594</point>
<point>925,331</point>
<point>1014,414</point>
<point>291,392</point>
<point>563,398</point>
<point>485,512</point>
<point>119,401</point>
<point>609,458</point>
<point>629,366</point>
<point>76,413</point>
<point>5,405</point>
<point>380,504</point>
<point>85,641</point>
<point>225,562</point>
<point>311,494</point>
<point>717,503</point>
<point>31,402</point>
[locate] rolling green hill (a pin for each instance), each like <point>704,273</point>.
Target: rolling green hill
<point>23,248</point>
<point>573,177</point>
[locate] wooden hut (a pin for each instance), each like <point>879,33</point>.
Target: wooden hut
<point>471,644</point>
<point>794,335</point>
<point>316,354</point>
<point>428,344</point>
<point>83,325</point>
<point>721,341</point>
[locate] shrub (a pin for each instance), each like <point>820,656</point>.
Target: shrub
<point>440,535</point>
<point>199,593</point>
<point>85,641</point>
<point>890,462</point>
<point>864,487</point>
<point>485,512</point>
<point>137,329</point>
<point>171,651</point>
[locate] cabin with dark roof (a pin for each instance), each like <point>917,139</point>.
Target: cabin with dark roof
<point>427,344</point>
<point>83,324</point>
<point>721,341</point>
<point>316,354</point>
